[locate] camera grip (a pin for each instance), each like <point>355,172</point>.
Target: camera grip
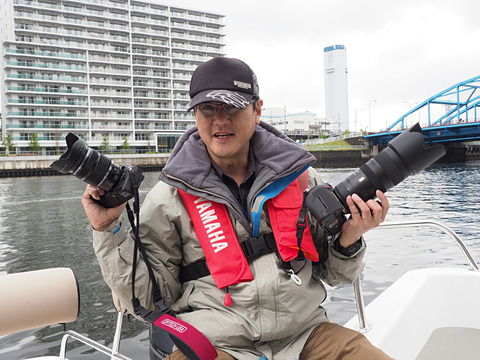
<point>113,199</point>
<point>326,208</point>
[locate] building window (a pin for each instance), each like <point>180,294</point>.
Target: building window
<point>141,137</point>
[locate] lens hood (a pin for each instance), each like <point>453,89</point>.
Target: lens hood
<point>71,160</point>
<point>409,146</point>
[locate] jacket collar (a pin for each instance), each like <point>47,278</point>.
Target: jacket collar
<point>275,155</point>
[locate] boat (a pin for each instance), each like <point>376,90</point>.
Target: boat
<point>427,314</point>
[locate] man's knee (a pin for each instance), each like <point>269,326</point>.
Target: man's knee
<point>333,341</point>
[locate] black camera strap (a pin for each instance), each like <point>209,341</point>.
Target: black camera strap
<point>191,342</point>
<point>301,225</point>
<point>157,297</point>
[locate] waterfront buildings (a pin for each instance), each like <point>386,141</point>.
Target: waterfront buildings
<point>299,125</point>
<point>115,72</point>
<point>336,91</point>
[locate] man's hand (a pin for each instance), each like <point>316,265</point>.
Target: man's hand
<point>365,216</point>
<point>100,217</point>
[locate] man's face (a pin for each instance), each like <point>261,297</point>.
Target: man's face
<point>227,136</point>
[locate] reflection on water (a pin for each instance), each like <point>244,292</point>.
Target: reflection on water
<point>43,225</point>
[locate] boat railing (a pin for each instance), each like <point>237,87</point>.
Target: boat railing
<point>363,325</point>
<point>112,352</point>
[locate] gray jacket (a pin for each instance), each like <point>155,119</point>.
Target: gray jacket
<point>270,316</point>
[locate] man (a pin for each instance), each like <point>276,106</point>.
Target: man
<point>249,303</point>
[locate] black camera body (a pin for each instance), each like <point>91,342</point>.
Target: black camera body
<point>405,155</point>
<point>89,165</point>
<point>325,207</point>
<point>122,191</point>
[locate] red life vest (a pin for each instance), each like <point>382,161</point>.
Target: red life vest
<point>223,253</point>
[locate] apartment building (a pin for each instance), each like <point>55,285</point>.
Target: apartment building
<point>113,71</point>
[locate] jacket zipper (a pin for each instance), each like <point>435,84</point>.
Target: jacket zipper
<point>207,192</point>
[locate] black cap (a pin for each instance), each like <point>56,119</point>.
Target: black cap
<point>226,80</point>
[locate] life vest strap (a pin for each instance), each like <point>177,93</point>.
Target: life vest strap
<point>260,245</point>
<point>194,271</point>
<point>301,225</point>
<point>254,247</point>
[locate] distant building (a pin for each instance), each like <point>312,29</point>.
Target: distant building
<point>336,91</point>
<point>101,68</point>
<point>301,125</point>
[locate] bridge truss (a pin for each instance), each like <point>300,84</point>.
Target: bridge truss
<point>460,104</point>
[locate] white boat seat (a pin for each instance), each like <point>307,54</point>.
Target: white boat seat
<point>452,343</point>
<point>38,298</point>
<point>407,314</point>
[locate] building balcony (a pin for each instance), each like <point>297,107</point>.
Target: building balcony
<point>44,114</point>
<point>45,65</point>
<point>111,127</point>
<point>55,54</point>
<point>47,126</point>
<point>207,18</point>
<point>45,78</point>
<point>45,102</point>
<point>45,89</point>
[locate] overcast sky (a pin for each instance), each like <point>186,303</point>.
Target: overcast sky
<point>398,52</point>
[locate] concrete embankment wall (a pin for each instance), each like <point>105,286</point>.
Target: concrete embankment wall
<point>455,153</point>
<point>16,166</point>
<point>460,153</point>
<point>339,159</point>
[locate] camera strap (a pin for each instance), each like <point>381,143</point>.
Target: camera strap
<point>191,342</point>
<point>301,225</point>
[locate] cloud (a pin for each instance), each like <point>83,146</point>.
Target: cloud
<point>398,52</point>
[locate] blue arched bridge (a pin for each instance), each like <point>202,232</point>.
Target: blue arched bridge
<point>451,116</point>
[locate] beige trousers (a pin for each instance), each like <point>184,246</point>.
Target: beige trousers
<point>327,341</point>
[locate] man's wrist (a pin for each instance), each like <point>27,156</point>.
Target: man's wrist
<point>113,227</point>
<point>346,251</point>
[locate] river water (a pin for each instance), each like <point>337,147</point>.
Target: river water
<point>42,225</point>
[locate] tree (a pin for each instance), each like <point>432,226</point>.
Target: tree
<point>34,145</point>
<point>322,135</point>
<point>125,145</point>
<point>105,145</point>
<point>8,143</point>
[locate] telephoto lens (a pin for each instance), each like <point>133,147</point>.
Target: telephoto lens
<point>405,155</point>
<point>87,164</point>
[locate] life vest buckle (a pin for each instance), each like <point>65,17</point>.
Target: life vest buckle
<point>259,245</point>
<point>151,315</point>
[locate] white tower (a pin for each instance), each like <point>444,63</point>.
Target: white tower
<point>336,92</point>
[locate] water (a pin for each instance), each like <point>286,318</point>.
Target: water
<point>42,225</point>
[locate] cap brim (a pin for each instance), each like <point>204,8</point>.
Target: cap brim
<point>234,98</point>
